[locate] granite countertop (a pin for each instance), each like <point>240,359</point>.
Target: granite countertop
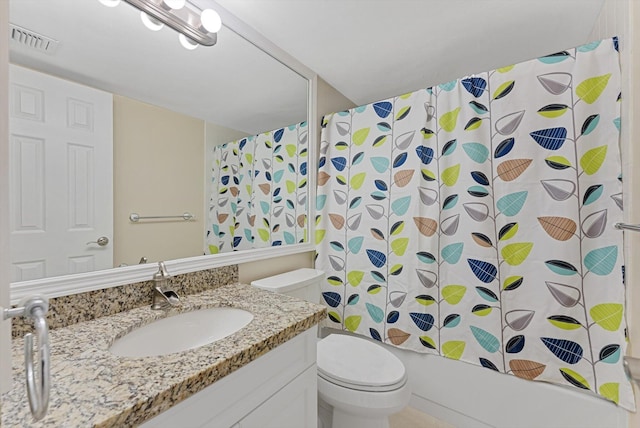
<point>92,387</point>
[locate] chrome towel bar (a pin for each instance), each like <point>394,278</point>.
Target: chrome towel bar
<point>186,216</point>
<point>37,389</point>
<point>625,226</point>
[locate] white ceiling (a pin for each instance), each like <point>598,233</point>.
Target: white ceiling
<point>233,83</point>
<point>366,49</point>
<point>374,49</point>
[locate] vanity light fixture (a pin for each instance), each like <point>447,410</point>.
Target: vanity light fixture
<point>174,4</point>
<point>150,22</point>
<point>186,42</point>
<point>110,3</point>
<point>195,26</point>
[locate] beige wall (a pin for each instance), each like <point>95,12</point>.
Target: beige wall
<point>632,176</point>
<point>618,18</point>
<point>158,170</point>
<point>329,100</point>
<point>631,65</point>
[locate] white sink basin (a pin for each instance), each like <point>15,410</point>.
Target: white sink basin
<point>181,332</point>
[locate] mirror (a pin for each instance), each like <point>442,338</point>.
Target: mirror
<point>170,108</point>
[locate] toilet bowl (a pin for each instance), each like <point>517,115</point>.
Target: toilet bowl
<point>360,383</point>
<point>363,382</point>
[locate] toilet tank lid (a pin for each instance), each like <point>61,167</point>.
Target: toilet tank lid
<point>289,281</point>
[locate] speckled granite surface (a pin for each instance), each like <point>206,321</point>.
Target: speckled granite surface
<point>67,310</point>
<point>92,387</point>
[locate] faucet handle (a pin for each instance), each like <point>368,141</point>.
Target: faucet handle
<point>162,272</point>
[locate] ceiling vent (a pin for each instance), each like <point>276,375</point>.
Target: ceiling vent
<point>31,39</point>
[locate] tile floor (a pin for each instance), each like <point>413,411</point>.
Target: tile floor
<point>412,418</point>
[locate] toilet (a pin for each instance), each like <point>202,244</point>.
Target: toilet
<point>360,383</point>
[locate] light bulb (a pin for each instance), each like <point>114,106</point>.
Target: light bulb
<point>150,22</point>
<point>186,42</point>
<point>211,20</point>
<point>174,4</point>
<point>110,3</point>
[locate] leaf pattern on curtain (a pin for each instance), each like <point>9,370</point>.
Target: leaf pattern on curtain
<point>258,191</point>
<point>470,220</point>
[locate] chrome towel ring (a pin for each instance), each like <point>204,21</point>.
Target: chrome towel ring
<point>37,387</point>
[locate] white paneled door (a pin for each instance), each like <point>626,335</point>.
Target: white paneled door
<point>61,149</point>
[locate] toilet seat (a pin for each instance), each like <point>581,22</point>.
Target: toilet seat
<point>359,364</point>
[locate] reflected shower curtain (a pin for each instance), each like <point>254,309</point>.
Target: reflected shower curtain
<point>258,193</point>
<point>473,220</point>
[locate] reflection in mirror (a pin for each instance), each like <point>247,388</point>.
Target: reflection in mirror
<point>115,119</point>
<point>258,194</point>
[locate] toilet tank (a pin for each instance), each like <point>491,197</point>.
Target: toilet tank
<point>301,283</point>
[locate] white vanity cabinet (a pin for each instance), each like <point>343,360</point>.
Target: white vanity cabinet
<point>278,390</point>
<point>293,406</point>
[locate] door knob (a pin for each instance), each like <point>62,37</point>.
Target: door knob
<point>102,241</point>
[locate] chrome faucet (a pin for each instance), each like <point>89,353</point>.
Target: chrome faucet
<point>163,297</point>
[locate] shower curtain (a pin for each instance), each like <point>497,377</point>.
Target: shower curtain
<point>258,191</point>
<point>473,220</point>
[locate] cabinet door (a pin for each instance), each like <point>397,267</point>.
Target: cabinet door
<point>294,406</point>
